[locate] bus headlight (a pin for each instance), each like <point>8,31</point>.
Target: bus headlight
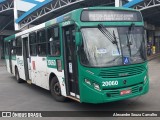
<point>96,86</point>
<point>87,81</point>
<point>145,79</point>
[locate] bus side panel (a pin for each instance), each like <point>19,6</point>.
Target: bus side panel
<point>33,69</point>
<point>20,66</point>
<point>39,71</point>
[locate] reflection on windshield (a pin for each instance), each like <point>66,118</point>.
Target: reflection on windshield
<point>97,49</point>
<point>109,36</point>
<point>135,41</point>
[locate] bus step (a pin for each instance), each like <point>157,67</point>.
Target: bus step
<point>29,81</point>
<point>73,98</point>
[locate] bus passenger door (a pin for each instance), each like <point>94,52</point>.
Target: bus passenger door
<point>27,68</point>
<point>70,58</point>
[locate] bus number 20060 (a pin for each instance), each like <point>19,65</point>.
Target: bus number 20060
<point>110,83</point>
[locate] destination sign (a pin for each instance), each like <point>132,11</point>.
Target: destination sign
<point>110,15</point>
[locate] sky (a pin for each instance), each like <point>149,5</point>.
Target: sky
<point>40,0</point>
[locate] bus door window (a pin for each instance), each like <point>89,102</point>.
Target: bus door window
<point>26,58</point>
<point>69,43</point>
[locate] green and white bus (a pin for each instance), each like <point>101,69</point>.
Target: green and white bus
<point>92,55</point>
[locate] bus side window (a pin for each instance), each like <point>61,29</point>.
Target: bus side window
<point>41,38</point>
<point>33,45</point>
<point>13,47</point>
<point>13,51</point>
<point>53,41</point>
<point>18,46</point>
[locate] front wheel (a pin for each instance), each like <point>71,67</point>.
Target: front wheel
<point>56,90</point>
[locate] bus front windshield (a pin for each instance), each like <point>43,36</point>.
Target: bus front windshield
<point>112,46</point>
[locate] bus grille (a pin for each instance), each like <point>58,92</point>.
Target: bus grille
<point>116,93</point>
<point>121,72</point>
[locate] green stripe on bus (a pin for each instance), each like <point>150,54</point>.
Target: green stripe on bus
<point>9,38</point>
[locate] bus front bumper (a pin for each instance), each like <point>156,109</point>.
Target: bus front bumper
<point>90,95</point>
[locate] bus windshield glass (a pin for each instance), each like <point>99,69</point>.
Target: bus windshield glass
<point>112,46</point>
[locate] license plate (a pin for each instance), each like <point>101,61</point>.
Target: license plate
<point>124,92</point>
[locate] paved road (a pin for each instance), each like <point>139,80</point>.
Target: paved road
<point>25,97</point>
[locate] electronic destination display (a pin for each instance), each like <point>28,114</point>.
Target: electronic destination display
<point>111,15</point>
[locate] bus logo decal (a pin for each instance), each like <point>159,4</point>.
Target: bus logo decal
<point>123,74</point>
<point>66,23</point>
<point>126,60</point>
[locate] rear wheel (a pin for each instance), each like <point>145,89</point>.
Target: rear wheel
<point>19,80</point>
<point>56,90</point>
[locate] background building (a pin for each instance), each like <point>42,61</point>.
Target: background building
<point>151,14</point>
<point>10,10</point>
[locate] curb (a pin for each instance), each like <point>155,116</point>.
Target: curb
<point>153,57</point>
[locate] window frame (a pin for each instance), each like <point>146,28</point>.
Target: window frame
<point>13,47</point>
<point>48,42</point>
<point>38,42</point>
<point>18,46</point>
<point>33,44</point>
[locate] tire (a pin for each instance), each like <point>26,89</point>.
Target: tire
<point>19,80</point>
<point>56,90</point>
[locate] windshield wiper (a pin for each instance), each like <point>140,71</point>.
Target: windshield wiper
<point>112,38</point>
<point>129,45</point>
<point>128,39</point>
<point>116,42</point>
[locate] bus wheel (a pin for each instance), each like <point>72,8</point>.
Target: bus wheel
<point>19,80</point>
<point>56,90</point>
